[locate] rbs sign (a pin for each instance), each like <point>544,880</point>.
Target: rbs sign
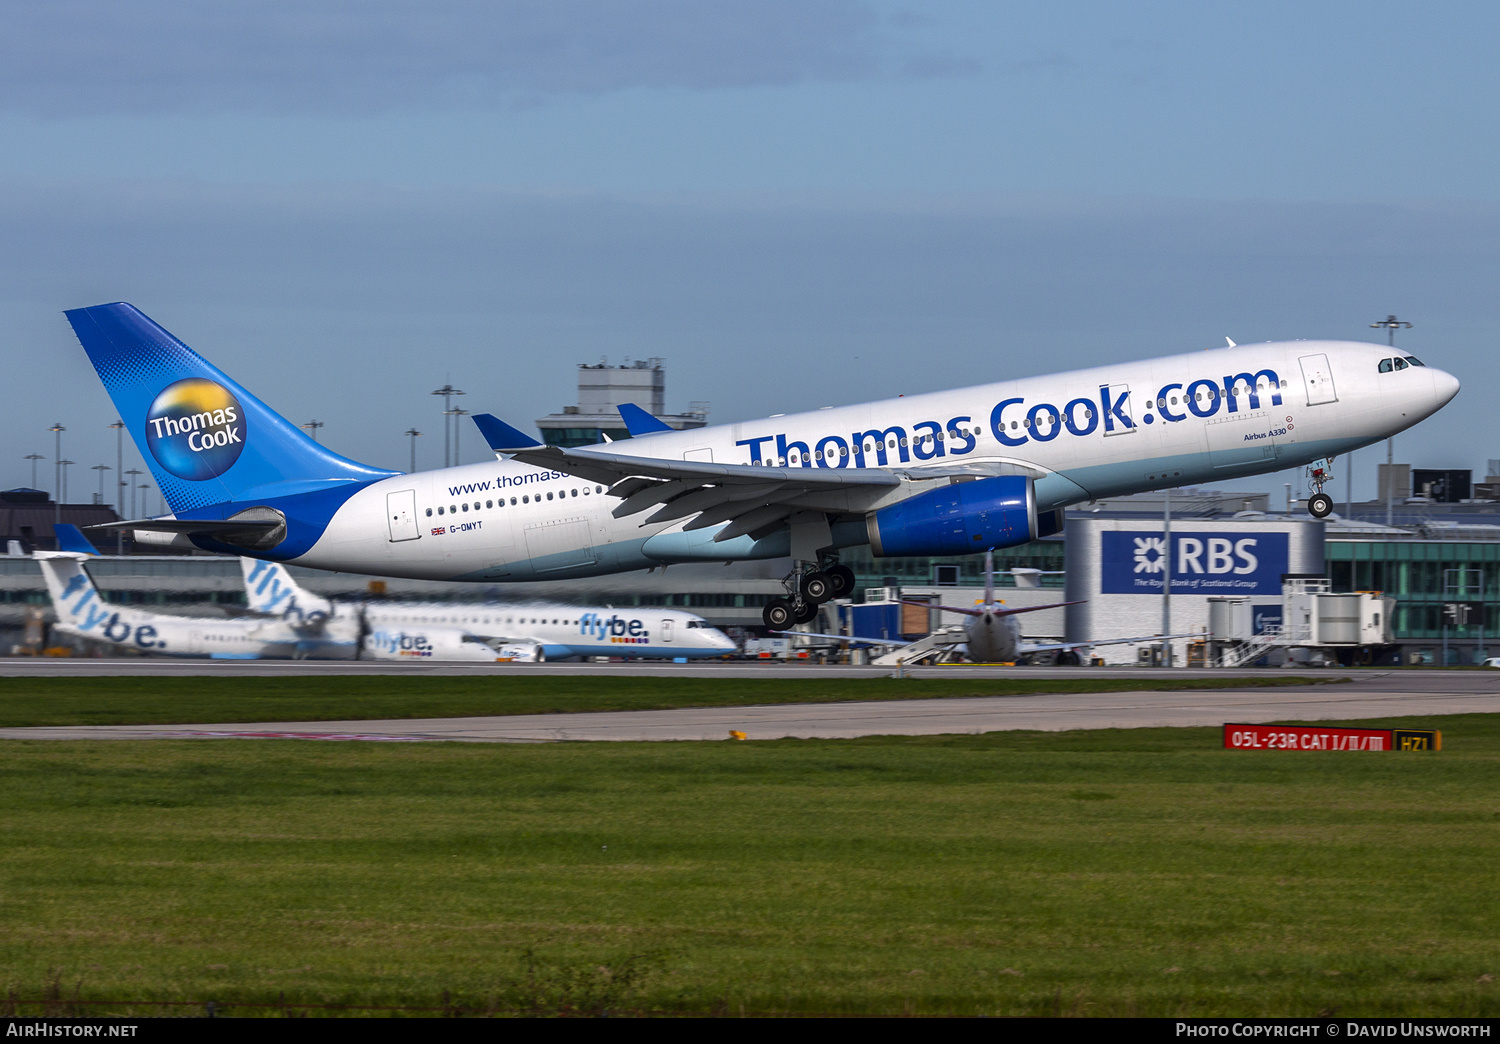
<point>1201,563</point>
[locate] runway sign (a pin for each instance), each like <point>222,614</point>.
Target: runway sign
<point>1323,737</point>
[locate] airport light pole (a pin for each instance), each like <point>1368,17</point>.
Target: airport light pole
<point>133,472</point>
<point>1390,324</point>
<point>1166,577</point>
<point>412,434</point>
<point>34,457</point>
<point>458,415</point>
<point>101,469</point>
<point>120,481</point>
<point>311,427</point>
<point>62,466</point>
<point>57,430</point>
<point>144,487</point>
<point>447,391</point>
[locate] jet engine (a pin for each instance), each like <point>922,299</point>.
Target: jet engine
<point>962,519</point>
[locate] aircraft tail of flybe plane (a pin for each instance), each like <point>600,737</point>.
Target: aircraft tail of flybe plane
<point>938,473</point>
<point>82,612</point>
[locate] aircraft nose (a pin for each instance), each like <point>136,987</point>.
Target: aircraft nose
<point>1444,387</point>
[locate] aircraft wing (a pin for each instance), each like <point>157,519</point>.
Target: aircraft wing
<point>856,639</point>
<point>754,500</point>
<point>494,641</point>
<point>966,611</point>
<point>1059,646</point>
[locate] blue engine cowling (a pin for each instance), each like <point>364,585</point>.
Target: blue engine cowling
<point>961,519</point>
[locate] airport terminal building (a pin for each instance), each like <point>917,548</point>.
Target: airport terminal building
<point>1435,557</point>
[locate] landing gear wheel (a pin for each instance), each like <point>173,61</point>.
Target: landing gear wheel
<point>817,588</point>
<point>778,614</point>
<point>841,579</point>
<point>1319,505</point>
<point>805,612</point>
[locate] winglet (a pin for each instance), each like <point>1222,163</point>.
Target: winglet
<point>639,422</point>
<point>71,538</point>
<point>501,436</point>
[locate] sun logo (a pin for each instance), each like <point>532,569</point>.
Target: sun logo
<point>195,429</point>
<point>1145,548</point>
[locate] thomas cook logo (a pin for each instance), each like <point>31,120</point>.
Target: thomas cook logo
<point>196,429</point>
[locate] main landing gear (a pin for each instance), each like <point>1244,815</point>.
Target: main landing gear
<point>806,590</point>
<point>1320,504</point>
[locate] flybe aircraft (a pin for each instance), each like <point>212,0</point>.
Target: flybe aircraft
<point>524,632</point>
<point>83,613</point>
<point>942,473</point>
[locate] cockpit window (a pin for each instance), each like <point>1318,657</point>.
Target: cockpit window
<point>1385,366</point>
<point>1400,364</point>
<point>1415,361</point>
<point>694,623</point>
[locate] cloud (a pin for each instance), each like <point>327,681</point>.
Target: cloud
<point>72,57</point>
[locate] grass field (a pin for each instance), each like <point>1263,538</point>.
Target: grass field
<point>1141,872</point>
<point>153,701</point>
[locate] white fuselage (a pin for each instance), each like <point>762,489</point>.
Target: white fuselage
<point>536,631</point>
<point>992,639</point>
<point>1091,433</point>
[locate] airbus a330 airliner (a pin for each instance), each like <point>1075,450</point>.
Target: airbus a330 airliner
<point>942,473</point>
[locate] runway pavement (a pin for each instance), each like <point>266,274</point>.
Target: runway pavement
<point>1369,694</point>
<point>143,666</point>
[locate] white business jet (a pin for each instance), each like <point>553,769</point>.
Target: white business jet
<point>83,613</point>
<point>942,473</point>
<point>527,632</point>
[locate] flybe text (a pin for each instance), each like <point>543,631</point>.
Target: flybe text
<point>1018,421</point>
<point>600,627</point>
<point>270,595</point>
<point>92,616</point>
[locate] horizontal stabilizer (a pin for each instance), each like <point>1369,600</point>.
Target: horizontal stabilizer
<point>856,639</point>
<point>639,422</point>
<point>501,436</point>
<point>1026,650</point>
<point>69,538</point>
<point>194,526</point>
<point>993,611</point>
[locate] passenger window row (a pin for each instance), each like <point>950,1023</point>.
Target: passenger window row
<point>1399,363</point>
<point>525,498</point>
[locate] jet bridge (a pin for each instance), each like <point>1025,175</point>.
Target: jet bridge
<point>1314,621</point>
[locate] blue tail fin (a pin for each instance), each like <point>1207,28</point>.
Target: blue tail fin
<point>501,436</point>
<point>639,422</point>
<point>71,538</point>
<point>206,440</point>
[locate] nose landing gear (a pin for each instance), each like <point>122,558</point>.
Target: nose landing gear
<point>1320,504</point>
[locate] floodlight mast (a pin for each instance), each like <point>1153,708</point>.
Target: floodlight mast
<point>1390,324</point>
<point>447,391</point>
<point>57,430</point>
<point>121,483</point>
<point>412,434</point>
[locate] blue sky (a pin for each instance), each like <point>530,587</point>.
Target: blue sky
<point>796,203</point>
